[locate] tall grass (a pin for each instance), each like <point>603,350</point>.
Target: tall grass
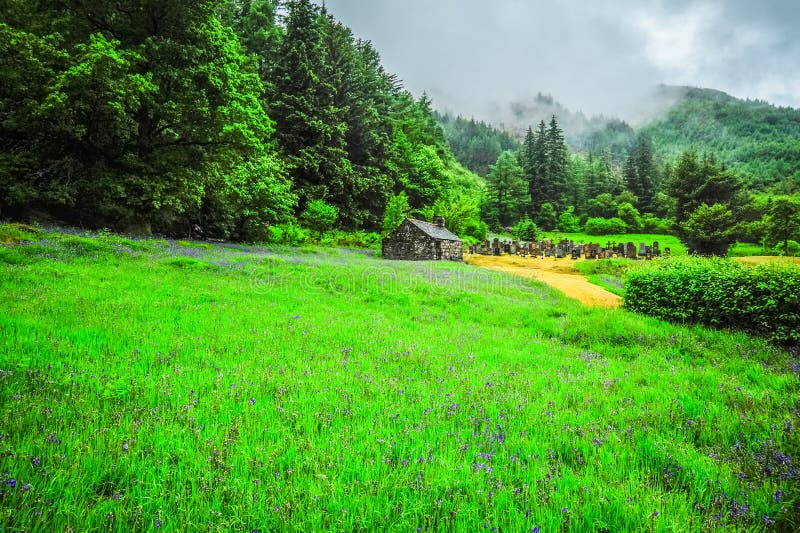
<point>150,385</point>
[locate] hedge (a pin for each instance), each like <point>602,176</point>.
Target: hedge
<point>763,301</point>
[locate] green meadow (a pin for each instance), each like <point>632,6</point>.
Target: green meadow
<point>160,385</point>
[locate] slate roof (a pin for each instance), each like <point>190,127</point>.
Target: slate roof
<point>437,232</point>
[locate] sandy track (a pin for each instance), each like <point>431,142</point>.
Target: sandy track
<point>558,273</point>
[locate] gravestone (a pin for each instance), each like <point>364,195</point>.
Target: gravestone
<point>656,251</point>
<point>642,249</point>
<point>667,251</point>
<point>630,250</point>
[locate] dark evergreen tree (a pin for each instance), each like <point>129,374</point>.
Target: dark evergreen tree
<point>537,166</point>
<point>557,165</point>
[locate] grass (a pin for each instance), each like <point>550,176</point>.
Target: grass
<point>151,385</point>
<point>746,249</point>
<point>609,273</point>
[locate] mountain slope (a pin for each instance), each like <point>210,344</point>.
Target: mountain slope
<point>758,141</point>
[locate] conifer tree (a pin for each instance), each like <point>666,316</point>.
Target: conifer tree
<point>557,161</point>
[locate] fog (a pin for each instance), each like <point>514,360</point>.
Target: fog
<point>476,58</point>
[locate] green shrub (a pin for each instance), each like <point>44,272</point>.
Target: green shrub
<point>605,226</point>
<point>319,216</point>
<point>792,248</point>
<point>762,301</point>
<point>653,224</point>
<point>526,230</point>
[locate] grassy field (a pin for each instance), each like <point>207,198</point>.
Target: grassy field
<point>179,386</point>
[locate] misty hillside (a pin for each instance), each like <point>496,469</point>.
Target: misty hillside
<point>755,139</point>
<point>475,144</point>
<point>758,141</point>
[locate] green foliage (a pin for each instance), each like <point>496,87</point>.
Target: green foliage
<point>461,211</point>
<point>568,222</point>
<point>718,292</point>
<point>319,216</point>
<point>136,128</point>
<point>112,120</point>
<point>603,206</point>
<point>653,224</point>
<point>705,196</point>
<point>526,230</point>
<point>709,230</point>
<point>506,196</point>
<point>630,216</point>
<point>288,234</point>
<point>783,222</point>
<point>605,226</point>
<point>397,210</point>
<point>788,247</point>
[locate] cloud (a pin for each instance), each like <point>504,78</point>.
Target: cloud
<point>604,56</point>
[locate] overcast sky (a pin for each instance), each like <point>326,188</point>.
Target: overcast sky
<point>596,56</point>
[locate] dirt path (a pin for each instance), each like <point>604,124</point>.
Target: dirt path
<point>558,273</point>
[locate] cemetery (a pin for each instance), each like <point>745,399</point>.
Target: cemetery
<point>568,249</point>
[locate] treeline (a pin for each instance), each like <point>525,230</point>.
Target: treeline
<point>542,186</point>
<point>220,117</point>
<point>475,144</point>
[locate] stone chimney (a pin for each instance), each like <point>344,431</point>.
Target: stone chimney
<point>438,221</point>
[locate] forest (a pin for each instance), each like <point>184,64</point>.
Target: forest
<point>218,118</point>
<point>264,120</point>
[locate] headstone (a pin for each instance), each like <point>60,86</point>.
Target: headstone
<point>576,252</point>
<point>667,251</point>
<point>656,251</point>
<point>642,249</point>
<point>630,250</point>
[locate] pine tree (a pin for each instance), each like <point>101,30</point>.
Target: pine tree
<point>556,167</point>
<point>310,127</point>
<point>507,196</point>
<point>536,153</point>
